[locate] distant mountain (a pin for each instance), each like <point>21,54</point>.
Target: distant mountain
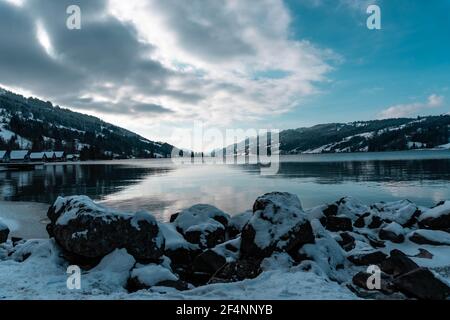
<point>29,123</point>
<point>361,136</point>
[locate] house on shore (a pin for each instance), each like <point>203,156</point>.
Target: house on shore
<point>19,156</point>
<point>60,156</point>
<point>73,157</point>
<point>38,157</point>
<point>4,156</point>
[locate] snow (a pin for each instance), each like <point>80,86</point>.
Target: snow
<point>443,209</point>
<point>152,274</point>
<point>200,217</point>
<point>282,212</point>
<point>3,226</point>
<point>34,269</point>
<point>395,228</point>
<point>7,135</point>
<point>326,252</point>
<point>173,239</point>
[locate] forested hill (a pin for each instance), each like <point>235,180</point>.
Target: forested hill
<point>362,136</point>
<point>29,123</point>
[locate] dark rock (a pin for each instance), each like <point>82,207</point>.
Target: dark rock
<point>359,223</point>
<point>87,232</point>
<point>206,238</point>
<point>397,264</point>
<point>386,286</point>
<point>347,242</point>
<point>375,223</point>
<point>174,217</point>
<point>413,220</point>
<point>334,224</point>
<point>422,284</point>
<point>134,285</point>
<point>424,254</point>
<point>331,210</point>
<point>430,237</point>
<point>438,221</point>
<point>365,259</point>
<point>208,262</point>
<point>4,233</point>
<point>278,224</point>
<point>391,236</point>
<point>238,270</point>
<point>182,256</point>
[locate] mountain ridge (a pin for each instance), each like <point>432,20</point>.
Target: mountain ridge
<point>30,123</point>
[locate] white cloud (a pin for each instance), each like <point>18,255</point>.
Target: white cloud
<point>218,47</point>
<point>412,109</point>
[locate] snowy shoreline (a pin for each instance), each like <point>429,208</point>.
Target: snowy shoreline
<point>301,254</point>
<point>25,220</point>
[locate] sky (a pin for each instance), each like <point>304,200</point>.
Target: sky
<point>160,67</point>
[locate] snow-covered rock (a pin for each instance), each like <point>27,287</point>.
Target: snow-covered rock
<point>179,250</point>
<point>278,224</point>
<point>325,251</point>
<point>437,218</point>
<point>88,231</point>
<point>431,237</point>
<point>202,224</point>
<point>147,276</point>
<point>422,284</point>
<point>392,232</point>
<point>4,232</point>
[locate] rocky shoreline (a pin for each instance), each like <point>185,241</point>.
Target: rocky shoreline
<point>203,245</point>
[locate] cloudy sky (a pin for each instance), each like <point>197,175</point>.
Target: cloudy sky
<point>157,66</point>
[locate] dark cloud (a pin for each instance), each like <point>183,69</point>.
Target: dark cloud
<point>104,51</point>
<point>150,108</point>
<point>206,28</point>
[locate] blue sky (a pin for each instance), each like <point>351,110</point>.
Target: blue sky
<point>405,62</point>
<point>158,67</point>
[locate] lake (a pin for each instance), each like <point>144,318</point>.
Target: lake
<point>163,188</point>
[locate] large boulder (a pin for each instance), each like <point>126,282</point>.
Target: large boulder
<point>337,223</point>
<point>392,232</point>
<point>4,232</point>
<point>437,218</point>
<point>431,237</point>
<point>421,283</point>
<point>278,224</point>
<point>180,252</point>
<point>208,262</point>
<point>203,225</point>
<point>365,259</point>
<point>88,231</point>
<point>397,264</point>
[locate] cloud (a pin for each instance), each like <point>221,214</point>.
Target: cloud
<point>220,61</point>
<point>150,108</point>
<point>412,109</point>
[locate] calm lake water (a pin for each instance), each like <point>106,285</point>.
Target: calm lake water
<point>163,188</point>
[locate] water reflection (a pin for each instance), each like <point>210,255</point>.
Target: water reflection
<point>163,188</point>
<point>96,181</point>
